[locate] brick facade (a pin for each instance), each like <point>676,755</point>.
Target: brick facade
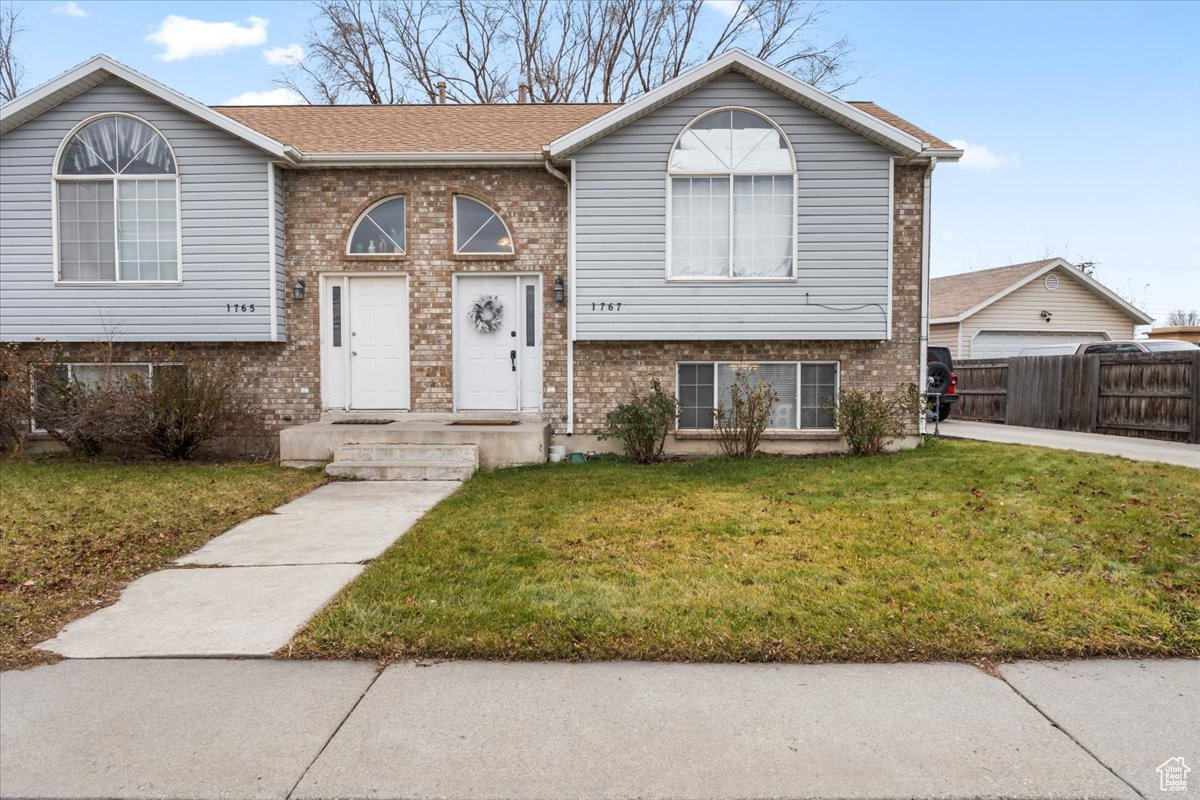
<point>607,372</point>
<point>321,205</point>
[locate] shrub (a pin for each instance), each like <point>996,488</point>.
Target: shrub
<point>643,423</point>
<point>85,417</point>
<point>185,407</point>
<point>15,396</point>
<point>741,423</point>
<point>871,420</point>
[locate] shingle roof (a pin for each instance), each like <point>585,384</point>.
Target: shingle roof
<point>499,128</point>
<point>951,295</point>
<point>879,112</point>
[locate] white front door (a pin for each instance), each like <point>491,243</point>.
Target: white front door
<point>498,369</point>
<point>365,342</point>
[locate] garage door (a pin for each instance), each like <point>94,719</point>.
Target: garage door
<point>1001,344</point>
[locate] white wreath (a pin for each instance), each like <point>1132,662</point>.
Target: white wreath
<point>486,313</point>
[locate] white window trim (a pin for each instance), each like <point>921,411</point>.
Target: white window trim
<point>730,278</point>
<point>454,228</point>
<point>837,389</point>
<point>362,218</point>
<point>71,365</point>
<point>57,178</point>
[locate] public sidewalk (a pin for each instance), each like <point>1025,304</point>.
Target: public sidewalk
<point>1185,455</point>
<point>171,728</point>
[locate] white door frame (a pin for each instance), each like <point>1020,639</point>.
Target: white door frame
<point>325,321</point>
<point>540,339</point>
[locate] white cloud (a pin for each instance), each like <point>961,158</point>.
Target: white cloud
<point>271,97</point>
<point>71,9</point>
<point>726,8</point>
<point>284,56</point>
<point>977,156</point>
<point>184,38</point>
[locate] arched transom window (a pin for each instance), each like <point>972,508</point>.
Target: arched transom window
<point>118,204</point>
<point>380,230</point>
<point>732,179</point>
<point>478,229</point>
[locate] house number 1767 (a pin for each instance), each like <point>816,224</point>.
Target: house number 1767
<point>606,306</point>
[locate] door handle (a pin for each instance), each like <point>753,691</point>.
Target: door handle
<point>513,355</point>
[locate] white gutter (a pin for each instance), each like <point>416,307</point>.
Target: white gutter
<point>562,176</point>
<point>924,330</point>
<point>419,159</point>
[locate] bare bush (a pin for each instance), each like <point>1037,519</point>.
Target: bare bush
<point>185,407</point>
<point>871,420</point>
<point>742,421</point>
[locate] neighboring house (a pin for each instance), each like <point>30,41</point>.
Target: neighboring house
<point>545,260</point>
<point>993,313</point>
<point>1184,333</point>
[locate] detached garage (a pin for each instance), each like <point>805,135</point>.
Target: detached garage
<point>994,313</point>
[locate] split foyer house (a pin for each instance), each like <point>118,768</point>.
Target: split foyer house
<point>996,313</point>
<point>537,260</point>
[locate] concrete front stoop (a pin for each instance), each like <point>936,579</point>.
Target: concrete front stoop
<point>404,462</point>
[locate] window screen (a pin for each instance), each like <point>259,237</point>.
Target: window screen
<point>818,394</point>
<point>696,396</point>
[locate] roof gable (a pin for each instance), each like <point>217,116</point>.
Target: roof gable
<point>100,68</point>
<point>866,119</point>
<point>954,298</point>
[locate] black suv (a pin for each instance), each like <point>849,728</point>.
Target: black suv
<point>941,380</point>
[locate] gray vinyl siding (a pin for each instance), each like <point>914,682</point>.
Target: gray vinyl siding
<point>843,186</point>
<point>281,288</point>
<point>225,230</point>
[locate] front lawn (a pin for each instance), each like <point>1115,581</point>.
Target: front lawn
<point>73,534</point>
<point>955,551</point>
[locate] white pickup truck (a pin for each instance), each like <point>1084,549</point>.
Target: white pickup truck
<point>1116,346</point>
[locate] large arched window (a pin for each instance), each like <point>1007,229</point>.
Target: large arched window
<point>478,230</point>
<point>380,230</point>
<point>732,184</point>
<point>117,192</point>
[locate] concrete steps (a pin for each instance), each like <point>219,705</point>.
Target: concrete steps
<point>404,462</point>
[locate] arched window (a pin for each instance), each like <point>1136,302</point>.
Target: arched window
<point>478,229</point>
<point>380,230</point>
<point>117,192</point>
<point>732,183</point>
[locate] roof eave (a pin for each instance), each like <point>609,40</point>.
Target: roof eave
<point>826,104</point>
<point>491,159</point>
<point>101,67</point>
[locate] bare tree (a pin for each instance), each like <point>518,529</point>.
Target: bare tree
<point>1183,317</point>
<point>395,51</point>
<point>12,71</point>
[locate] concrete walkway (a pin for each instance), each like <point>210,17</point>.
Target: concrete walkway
<point>249,590</point>
<point>168,728</point>
<point>1186,455</point>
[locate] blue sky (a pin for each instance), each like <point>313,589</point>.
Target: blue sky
<point>1082,120</point>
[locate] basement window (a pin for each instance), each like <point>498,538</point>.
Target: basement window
<point>807,392</point>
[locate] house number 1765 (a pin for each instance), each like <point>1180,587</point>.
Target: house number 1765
<point>606,306</point>
<point>239,308</point>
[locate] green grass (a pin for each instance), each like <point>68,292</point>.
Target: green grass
<point>958,550</point>
<point>73,533</point>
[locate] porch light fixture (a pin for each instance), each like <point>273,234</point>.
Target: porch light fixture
<point>560,291</point>
<point>298,289</point>
<point>1046,315</point>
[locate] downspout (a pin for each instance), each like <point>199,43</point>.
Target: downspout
<point>924,329</point>
<point>570,290</point>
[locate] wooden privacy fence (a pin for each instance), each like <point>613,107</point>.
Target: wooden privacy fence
<point>1152,395</point>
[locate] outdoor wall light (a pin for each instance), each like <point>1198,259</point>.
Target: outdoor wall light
<point>298,289</point>
<point>560,291</point>
<point>1046,315</point>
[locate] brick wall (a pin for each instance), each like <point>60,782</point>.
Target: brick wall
<point>322,205</point>
<point>607,372</point>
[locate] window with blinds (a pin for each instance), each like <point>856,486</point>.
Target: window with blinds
<point>807,392</point>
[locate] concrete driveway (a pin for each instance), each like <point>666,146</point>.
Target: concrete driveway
<point>1184,455</point>
<point>172,728</point>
